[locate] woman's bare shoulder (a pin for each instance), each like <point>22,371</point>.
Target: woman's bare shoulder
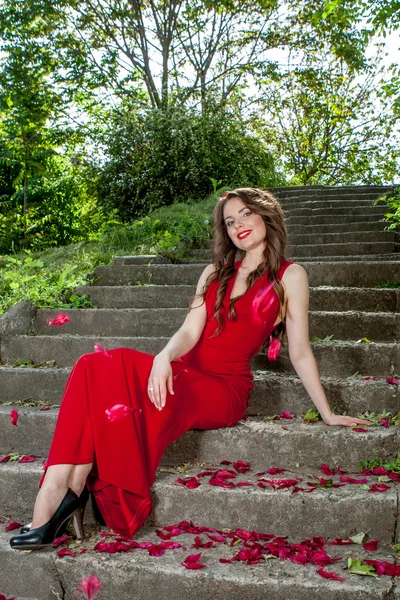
<point>294,276</point>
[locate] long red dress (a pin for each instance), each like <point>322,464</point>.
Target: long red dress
<point>211,390</point>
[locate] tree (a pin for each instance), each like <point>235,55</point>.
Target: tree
<point>330,125</point>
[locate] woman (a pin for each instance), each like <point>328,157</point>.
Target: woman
<point>201,379</point>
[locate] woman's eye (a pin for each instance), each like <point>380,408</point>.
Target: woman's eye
<point>229,223</point>
<point>247,213</point>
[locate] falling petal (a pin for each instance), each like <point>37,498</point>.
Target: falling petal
<point>14,417</point>
<point>329,575</point>
<point>117,412</point>
<point>59,319</point>
<point>90,587</point>
<point>98,348</point>
<point>13,525</point>
<point>274,348</point>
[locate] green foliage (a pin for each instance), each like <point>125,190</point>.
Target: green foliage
<point>161,157</point>
<point>392,466</point>
<point>392,200</point>
<point>312,415</point>
<point>357,567</point>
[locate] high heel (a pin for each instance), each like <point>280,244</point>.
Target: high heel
<point>83,499</point>
<point>34,539</point>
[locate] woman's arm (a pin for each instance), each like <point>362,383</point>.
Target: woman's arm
<point>182,341</point>
<point>297,289</point>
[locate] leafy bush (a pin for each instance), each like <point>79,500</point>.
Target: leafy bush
<point>392,200</point>
<point>175,155</point>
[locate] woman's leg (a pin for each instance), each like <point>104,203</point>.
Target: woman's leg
<point>54,487</point>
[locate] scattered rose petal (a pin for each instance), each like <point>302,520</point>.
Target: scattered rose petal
<point>393,381</point>
<point>59,319</point>
<point>371,546</point>
<point>189,482</point>
<point>379,487</point>
<point>380,471</point>
<point>45,408</point>
<point>226,462</point>
<point>346,479</point>
<point>385,423</point>
<point>14,417</point>
<point>65,552</point>
<point>327,471</point>
<point>285,414</point>
<point>244,484</point>
<point>5,459</point>
<point>61,540</point>
<point>329,575</point>
<point>12,525</point>
<point>191,562</point>
<point>225,560</point>
<point>383,567</point>
<point>27,459</point>
<point>285,428</point>
<point>241,466</point>
<point>3,597</point>
<point>275,470</point>
<point>359,429</point>
<point>90,587</point>
<point>199,544</point>
<point>274,348</point>
<point>117,412</point>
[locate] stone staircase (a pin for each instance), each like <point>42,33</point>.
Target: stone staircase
<point>337,235</point>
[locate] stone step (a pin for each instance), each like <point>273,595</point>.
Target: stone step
<point>273,391</point>
<point>275,579</point>
<point>391,256</point>
<point>321,298</point>
<point>333,512</point>
<point>335,358</point>
<point>144,259</point>
<point>254,440</point>
<point>340,274</point>
<point>341,249</point>
<point>289,204</point>
<point>337,218</point>
<point>337,210</point>
<point>356,226</point>
<point>151,322</point>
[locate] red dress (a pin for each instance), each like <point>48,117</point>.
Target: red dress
<point>211,384</point>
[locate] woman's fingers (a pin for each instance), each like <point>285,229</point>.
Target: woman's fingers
<point>157,392</point>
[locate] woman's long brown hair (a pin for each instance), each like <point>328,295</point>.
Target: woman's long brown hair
<point>225,253</point>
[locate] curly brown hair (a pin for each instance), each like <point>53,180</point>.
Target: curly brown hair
<point>225,253</point>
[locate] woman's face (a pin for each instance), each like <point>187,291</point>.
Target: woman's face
<point>246,229</point>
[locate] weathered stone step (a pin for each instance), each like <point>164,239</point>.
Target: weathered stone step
<point>275,579</point>
<point>321,298</point>
<point>334,512</point>
<point>337,210</point>
<point>273,391</point>
<point>343,249</point>
<point>391,256</point>
<point>151,322</point>
<point>332,202</point>
<point>337,218</point>
<point>336,359</point>
<point>340,274</point>
<point>253,440</point>
<point>316,229</point>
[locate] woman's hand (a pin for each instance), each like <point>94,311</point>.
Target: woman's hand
<point>160,379</point>
<point>345,420</point>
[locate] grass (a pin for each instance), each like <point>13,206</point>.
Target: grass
<point>49,278</point>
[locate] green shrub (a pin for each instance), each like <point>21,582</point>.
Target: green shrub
<point>177,155</point>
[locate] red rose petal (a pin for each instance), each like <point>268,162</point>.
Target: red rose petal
<point>393,381</point>
<point>13,525</point>
<point>346,479</point>
<point>245,484</point>
<point>380,471</point>
<point>5,459</point>
<point>3,597</point>
<point>285,414</point>
<point>241,466</point>
<point>275,471</point>
<point>117,412</point>
<point>371,546</point>
<point>385,423</point>
<point>329,575</point>
<point>27,459</point>
<point>191,562</point>
<point>45,408</point>
<point>189,482</point>
<point>59,319</point>
<point>14,417</point>
<point>359,429</point>
<point>327,471</point>
<point>274,348</point>
<point>61,540</point>
<point>65,552</point>
<point>379,487</point>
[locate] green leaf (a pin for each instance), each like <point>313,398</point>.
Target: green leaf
<point>356,566</point>
<point>365,340</point>
<point>358,538</point>
<point>311,415</point>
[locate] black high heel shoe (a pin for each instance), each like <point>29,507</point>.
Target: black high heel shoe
<point>41,537</point>
<point>84,497</point>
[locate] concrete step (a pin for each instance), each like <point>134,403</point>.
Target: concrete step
<point>335,358</point>
<point>144,259</point>
<point>328,512</point>
<point>151,322</point>
<point>332,211</point>
<point>329,203</point>
<point>342,249</point>
<point>340,274</point>
<point>253,440</point>
<point>336,218</point>
<point>356,226</point>
<point>321,298</point>
<point>391,256</point>
<point>275,579</point>
<point>273,391</point>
